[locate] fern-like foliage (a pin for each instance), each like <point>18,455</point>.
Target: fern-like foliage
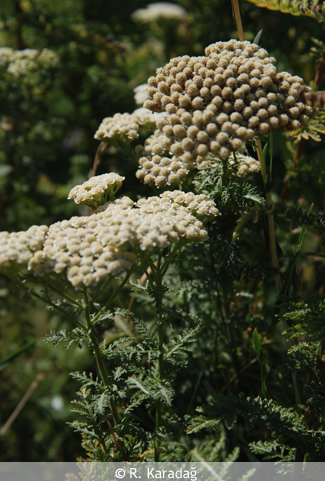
<point>272,450</point>
<point>102,439</point>
<point>89,426</point>
<point>307,319</point>
<point>284,424</point>
<point>77,336</point>
<point>309,8</point>
<point>216,179</point>
<point>315,128</point>
<point>150,389</point>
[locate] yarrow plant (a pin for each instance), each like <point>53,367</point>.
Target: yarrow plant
<point>164,289</point>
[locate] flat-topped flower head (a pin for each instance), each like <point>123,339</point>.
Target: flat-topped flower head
<point>80,249</point>
<point>125,127</point>
<point>95,191</point>
<point>120,126</point>
<point>215,104</point>
<point>89,249</point>
<point>200,206</point>
<point>18,247</point>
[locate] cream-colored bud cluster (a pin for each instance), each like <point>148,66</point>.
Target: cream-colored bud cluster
<point>77,247</point>
<point>18,247</point>
<point>172,217</point>
<point>215,104</point>
<point>201,206</point>
<point>159,10</point>
<point>157,165</point>
<point>127,125</point>
<point>124,125</point>
<point>90,249</point>
<point>19,63</point>
<point>244,165</point>
<point>124,202</point>
<point>95,190</point>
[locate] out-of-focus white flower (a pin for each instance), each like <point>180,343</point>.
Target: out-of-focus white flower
<point>155,11</point>
<point>21,62</point>
<point>141,94</point>
<point>145,116</point>
<point>57,403</point>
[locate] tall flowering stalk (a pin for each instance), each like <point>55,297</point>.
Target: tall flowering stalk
<point>260,155</point>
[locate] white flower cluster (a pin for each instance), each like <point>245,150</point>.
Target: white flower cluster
<point>244,165</point>
<point>79,248</point>
<point>141,94</point>
<point>19,247</point>
<point>214,104</point>
<point>6,54</point>
<point>146,118</point>
<point>95,190</point>
<point>116,126</point>
<point>90,249</point>
<point>124,202</point>
<point>198,205</point>
<point>127,125</point>
<point>156,11</point>
<point>124,125</point>
<point>19,63</point>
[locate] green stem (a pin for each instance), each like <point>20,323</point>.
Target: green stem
<point>155,274</point>
<point>268,196</point>
<point>65,296</point>
<point>155,277</point>
<point>161,375</point>
<point>107,303</point>
<point>98,355</point>
<point>274,257</point>
<point>270,218</point>
<point>170,256</point>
